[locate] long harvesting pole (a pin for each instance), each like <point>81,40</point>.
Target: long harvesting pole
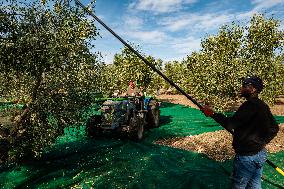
<point>158,71</point>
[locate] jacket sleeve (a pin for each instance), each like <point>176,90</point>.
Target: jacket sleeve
<point>245,112</point>
<point>272,129</point>
<point>223,121</point>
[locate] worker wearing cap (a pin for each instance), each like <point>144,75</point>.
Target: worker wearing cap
<point>253,126</point>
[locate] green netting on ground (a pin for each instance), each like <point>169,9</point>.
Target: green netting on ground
<point>9,105</point>
<point>114,162</point>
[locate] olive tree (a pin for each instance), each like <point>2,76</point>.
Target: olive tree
<point>177,72</point>
<point>46,61</point>
<point>127,66</point>
<point>215,73</point>
<point>262,54</point>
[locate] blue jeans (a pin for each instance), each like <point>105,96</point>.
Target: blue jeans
<point>248,170</point>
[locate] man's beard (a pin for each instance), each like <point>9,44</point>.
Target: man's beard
<point>245,94</point>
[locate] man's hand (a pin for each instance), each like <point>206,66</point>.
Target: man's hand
<point>208,112</point>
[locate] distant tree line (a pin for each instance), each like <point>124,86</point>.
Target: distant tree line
<point>214,73</point>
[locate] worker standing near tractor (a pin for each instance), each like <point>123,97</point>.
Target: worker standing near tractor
<point>253,126</point>
<point>133,90</point>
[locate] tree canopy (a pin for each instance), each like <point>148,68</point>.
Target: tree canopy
<point>46,61</point>
<point>215,73</point>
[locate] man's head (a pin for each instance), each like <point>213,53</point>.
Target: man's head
<point>251,85</point>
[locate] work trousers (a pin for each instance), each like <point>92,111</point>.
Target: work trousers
<point>247,171</point>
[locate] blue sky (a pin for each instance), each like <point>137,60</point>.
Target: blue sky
<point>172,29</point>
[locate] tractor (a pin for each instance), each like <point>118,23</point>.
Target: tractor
<point>131,115</point>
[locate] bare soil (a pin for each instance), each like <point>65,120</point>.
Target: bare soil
<point>217,145</point>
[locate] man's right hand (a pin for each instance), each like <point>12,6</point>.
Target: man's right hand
<point>208,112</point>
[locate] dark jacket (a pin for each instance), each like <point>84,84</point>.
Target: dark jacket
<point>253,126</point>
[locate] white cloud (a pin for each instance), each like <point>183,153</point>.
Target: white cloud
<point>266,4</point>
<point>133,22</point>
<point>245,15</point>
<point>160,6</point>
<point>178,48</point>
<point>261,6</point>
<point>281,27</point>
<point>185,46</point>
<point>177,24</point>
<point>213,21</point>
<point>196,21</point>
<point>147,36</point>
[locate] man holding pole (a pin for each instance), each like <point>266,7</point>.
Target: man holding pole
<point>253,126</point>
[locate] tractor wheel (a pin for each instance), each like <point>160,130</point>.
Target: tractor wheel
<point>91,127</point>
<point>153,115</point>
<point>137,125</point>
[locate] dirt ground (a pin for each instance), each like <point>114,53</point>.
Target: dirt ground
<point>217,145</point>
